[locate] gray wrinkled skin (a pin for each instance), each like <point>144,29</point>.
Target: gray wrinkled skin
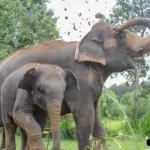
<point>30,85</point>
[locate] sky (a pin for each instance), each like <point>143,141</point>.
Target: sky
<point>68,12</point>
<point>74,7</point>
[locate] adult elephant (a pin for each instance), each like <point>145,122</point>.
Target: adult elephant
<point>104,50</point>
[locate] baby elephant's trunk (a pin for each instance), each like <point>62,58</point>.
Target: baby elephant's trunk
<point>54,114</point>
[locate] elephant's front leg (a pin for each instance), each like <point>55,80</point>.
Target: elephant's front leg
<point>84,119</point>
<point>32,128</point>
<point>99,131</point>
<point>41,118</point>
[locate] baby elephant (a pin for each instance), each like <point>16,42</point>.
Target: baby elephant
<point>32,85</point>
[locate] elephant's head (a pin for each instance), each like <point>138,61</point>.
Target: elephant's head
<point>46,85</point>
<point>113,46</point>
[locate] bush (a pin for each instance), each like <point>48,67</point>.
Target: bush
<point>67,127</point>
<point>127,102</point>
<point>108,107</point>
<point>140,126</point>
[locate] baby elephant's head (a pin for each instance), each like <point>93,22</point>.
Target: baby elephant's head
<point>47,84</point>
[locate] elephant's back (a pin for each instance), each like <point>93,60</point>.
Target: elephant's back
<point>46,52</point>
<point>10,84</point>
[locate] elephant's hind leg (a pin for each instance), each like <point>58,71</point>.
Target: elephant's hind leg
<point>10,130</point>
<point>99,131</point>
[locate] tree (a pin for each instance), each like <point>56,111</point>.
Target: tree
<point>120,89</point>
<point>24,22</point>
<point>107,106</point>
<point>128,9</point>
<point>143,105</point>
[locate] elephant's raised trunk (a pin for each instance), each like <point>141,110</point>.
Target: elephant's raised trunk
<point>137,43</point>
<point>54,114</point>
<point>133,22</point>
<point>133,41</point>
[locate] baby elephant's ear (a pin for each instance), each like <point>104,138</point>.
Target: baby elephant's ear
<point>28,80</point>
<point>71,79</point>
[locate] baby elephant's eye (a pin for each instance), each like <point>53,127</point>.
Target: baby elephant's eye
<point>41,90</point>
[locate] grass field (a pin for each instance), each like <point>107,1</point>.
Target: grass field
<point>134,143</point>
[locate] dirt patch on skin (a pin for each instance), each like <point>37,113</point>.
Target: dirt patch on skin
<point>47,45</point>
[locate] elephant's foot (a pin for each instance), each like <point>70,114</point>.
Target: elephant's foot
<point>100,140</point>
<point>99,133</point>
<point>98,144</point>
<point>35,143</point>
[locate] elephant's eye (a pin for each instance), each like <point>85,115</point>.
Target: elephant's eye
<point>41,90</point>
<point>96,40</point>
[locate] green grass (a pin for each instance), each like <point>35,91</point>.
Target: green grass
<point>113,125</point>
<point>133,144</point>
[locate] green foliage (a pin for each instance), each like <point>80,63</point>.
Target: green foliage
<point>143,104</point>
<point>128,9</point>
<point>67,126</point>
<point>24,22</point>
<point>127,99</point>
<point>107,106</point>
<point>141,126</point>
<point>123,100</point>
<point>120,89</point>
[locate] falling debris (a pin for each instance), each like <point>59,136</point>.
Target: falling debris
<point>80,14</point>
<point>66,17</point>
<point>86,1</point>
<point>74,27</point>
<point>65,9</point>
<point>99,16</point>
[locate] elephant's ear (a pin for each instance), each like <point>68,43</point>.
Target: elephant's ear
<point>71,79</point>
<point>28,80</point>
<point>90,48</point>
